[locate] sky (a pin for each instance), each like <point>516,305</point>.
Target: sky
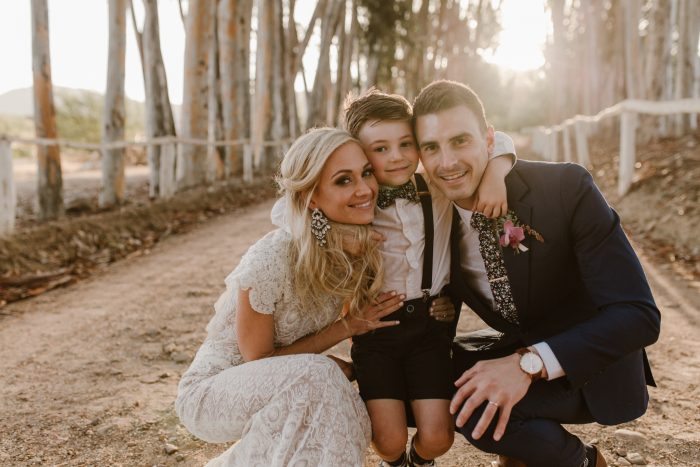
<point>79,33</point>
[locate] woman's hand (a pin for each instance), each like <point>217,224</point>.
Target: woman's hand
<point>442,309</point>
<point>345,366</point>
<point>369,318</point>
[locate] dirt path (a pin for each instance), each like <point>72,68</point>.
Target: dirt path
<point>88,374</point>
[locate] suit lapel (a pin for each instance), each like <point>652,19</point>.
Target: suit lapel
<point>518,264</point>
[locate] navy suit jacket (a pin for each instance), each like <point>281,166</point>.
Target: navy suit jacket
<point>582,291</point>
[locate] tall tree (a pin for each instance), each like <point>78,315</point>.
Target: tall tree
<point>159,114</point>
<point>216,155</point>
<point>50,181</point>
<point>113,118</point>
<point>263,119</point>
<point>192,159</point>
<point>234,19</point>
<point>322,90</point>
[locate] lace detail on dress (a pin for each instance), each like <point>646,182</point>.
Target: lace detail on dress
<point>294,410</point>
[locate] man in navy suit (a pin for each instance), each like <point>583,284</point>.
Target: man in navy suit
<point>571,305</point>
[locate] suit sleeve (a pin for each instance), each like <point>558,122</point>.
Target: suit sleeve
<point>627,319</point>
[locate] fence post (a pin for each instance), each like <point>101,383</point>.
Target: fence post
<point>552,150</point>
<point>167,170</point>
<point>567,143</point>
<point>582,143</point>
<point>628,123</point>
<point>247,163</point>
<point>8,196</point>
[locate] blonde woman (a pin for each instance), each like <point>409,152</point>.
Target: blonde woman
<point>258,376</point>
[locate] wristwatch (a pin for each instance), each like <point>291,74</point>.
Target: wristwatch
<point>530,363</point>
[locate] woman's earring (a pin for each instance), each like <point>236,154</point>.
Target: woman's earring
<point>319,226</point>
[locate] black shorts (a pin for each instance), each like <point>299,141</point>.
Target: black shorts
<point>409,361</point>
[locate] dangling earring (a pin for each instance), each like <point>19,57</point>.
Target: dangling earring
<point>319,226</point>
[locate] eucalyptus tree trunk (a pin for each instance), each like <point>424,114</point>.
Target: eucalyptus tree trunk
<point>558,62</point>
<point>347,42</point>
<point>50,182</point>
<point>280,87</point>
<point>591,83</point>
<point>159,114</point>
<point>215,154</point>
<point>321,93</point>
<point>112,191</point>
<point>234,18</point>
<point>656,53</point>
<point>290,73</point>
<point>263,119</point>
<point>693,65</point>
<point>192,159</point>
<point>633,75</point>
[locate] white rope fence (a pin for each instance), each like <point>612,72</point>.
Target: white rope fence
<point>545,141</point>
<point>167,176</point>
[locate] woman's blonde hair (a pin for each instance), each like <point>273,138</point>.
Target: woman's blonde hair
<point>321,270</point>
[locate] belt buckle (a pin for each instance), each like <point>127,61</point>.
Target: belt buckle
<point>426,295</point>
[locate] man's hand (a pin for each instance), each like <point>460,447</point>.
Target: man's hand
<point>442,309</point>
<point>501,382</point>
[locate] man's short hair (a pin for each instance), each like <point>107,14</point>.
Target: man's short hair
<point>375,105</point>
<point>444,95</point>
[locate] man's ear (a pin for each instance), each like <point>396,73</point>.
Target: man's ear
<point>490,140</point>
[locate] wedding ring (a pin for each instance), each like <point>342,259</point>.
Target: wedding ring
<point>493,403</point>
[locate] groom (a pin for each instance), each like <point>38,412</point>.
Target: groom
<point>566,294</point>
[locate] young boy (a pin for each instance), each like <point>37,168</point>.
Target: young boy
<point>410,362</point>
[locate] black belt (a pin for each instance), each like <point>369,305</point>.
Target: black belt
<point>415,307</point>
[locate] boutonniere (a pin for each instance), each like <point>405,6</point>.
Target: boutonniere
<point>511,232</point>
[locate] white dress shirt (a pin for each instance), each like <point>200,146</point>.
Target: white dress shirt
<point>402,250</point>
<point>474,272</point>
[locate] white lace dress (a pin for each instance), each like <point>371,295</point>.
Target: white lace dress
<point>297,410</point>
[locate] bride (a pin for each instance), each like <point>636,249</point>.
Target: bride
<point>259,377</point>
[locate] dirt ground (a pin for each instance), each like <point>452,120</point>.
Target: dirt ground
<point>88,373</point>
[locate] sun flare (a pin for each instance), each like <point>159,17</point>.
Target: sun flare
<point>525,27</point>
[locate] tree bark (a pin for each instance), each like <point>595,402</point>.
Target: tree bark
<point>159,114</point>
<point>263,119</point>
<point>50,181</point>
<point>112,191</point>
<point>234,17</point>
<point>216,158</point>
<point>321,93</point>
<point>191,159</point>
<point>280,86</point>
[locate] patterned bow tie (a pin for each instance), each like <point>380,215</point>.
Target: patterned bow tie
<point>387,196</point>
<point>495,267</point>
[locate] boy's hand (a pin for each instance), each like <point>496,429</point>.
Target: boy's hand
<point>491,195</point>
<point>442,309</point>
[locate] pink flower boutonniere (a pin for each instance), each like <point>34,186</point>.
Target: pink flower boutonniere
<point>512,232</point>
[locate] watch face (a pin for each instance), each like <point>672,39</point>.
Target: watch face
<point>531,363</point>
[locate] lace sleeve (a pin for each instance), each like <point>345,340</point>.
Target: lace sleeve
<point>262,270</point>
